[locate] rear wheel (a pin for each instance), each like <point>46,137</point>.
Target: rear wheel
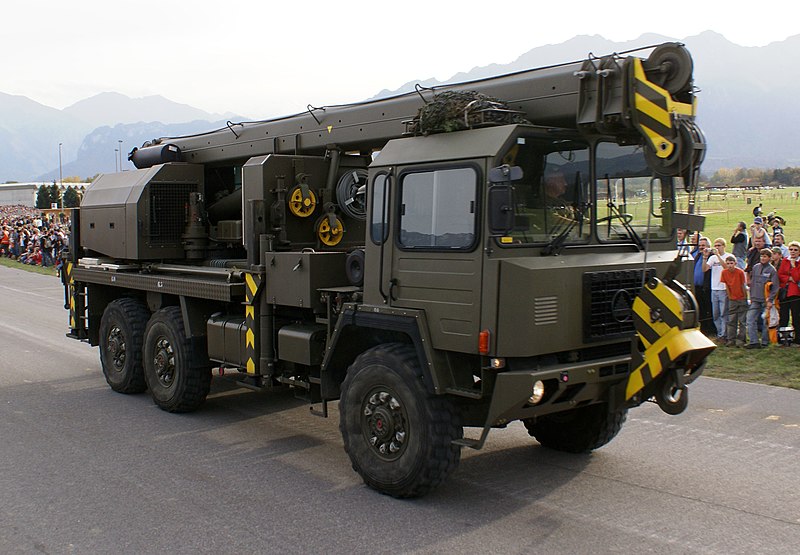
<point>577,431</point>
<point>121,337</point>
<point>174,385</point>
<point>398,436</point>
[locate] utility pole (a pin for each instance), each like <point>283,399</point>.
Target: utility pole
<point>120,154</point>
<point>60,178</point>
<point>116,159</point>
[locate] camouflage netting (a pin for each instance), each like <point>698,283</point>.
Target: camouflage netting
<point>458,110</point>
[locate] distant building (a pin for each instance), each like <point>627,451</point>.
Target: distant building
<point>25,193</point>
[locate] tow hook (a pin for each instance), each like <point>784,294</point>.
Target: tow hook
<point>672,394</point>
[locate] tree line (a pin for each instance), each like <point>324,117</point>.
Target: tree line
<point>47,195</point>
<point>787,177</point>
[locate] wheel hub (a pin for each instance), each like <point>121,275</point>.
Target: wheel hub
<point>164,362</point>
<point>384,424</point>
<point>116,347</point>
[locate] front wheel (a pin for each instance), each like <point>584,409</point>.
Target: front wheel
<point>577,431</point>
<point>397,435</point>
<point>174,385</point>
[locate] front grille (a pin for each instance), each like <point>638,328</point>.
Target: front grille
<point>168,206</point>
<point>608,301</point>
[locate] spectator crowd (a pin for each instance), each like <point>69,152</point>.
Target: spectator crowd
<point>30,237</point>
<point>747,297</point>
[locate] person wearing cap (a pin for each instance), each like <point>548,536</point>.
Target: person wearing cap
<point>758,230</point>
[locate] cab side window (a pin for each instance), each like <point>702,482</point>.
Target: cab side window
<point>379,211</point>
<point>438,209</point>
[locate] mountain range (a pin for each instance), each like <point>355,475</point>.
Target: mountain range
<point>745,108</point>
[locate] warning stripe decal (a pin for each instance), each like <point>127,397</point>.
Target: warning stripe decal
<point>253,286</point>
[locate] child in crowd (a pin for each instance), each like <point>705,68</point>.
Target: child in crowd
<point>734,279</point>
<point>763,279</point>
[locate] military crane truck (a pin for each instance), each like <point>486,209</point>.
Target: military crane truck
<point>462,256</point>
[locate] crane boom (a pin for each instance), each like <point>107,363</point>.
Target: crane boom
<point>626,97</point>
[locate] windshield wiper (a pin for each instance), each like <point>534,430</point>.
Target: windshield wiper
<point>625,220</point>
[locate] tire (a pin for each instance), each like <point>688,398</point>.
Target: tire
<point>174,385</point>
<point>577,431</point>
<point>397,435</point>
<point>121,337</point>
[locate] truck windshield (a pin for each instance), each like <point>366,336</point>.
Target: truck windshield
<point>552,199</point>
<point>629,201</point>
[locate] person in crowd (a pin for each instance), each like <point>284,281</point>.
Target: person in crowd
<point>777,241</point>
<point>763,278</point>
<point>682,242</point>
<point>758,230</point>
<point>734,280</point>
<point>4,241</point>
<point>777,256</point>
<point>789,274</point>
<point>776,223</point>
<point>702,286</point>
<point>754,254</point>
<point>739,241</point>
<point>758,210</point>
<point>714,263</point>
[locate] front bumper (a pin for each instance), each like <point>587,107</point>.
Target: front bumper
<point>567,386</point>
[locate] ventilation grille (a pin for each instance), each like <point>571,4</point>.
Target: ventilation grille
<point>545,311</point>
<point>167,217</point>
<point>608,300</point>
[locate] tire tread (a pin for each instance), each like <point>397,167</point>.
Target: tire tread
<point>444,423</point>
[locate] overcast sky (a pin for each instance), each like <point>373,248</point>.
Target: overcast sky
<point>264,58</point>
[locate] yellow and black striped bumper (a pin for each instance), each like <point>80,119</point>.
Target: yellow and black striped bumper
<point>659,320</point>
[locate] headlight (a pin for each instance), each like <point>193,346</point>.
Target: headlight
<point>537,392</point>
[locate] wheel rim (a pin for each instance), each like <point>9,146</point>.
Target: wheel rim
<point>384,423</point>
<point>116,348</point>
<point>164,362</point>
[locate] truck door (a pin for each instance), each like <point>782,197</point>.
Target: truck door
<point>436,261</point>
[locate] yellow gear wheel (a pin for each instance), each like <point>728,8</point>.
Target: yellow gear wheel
<point>299,206</point>
<point>330,235</point>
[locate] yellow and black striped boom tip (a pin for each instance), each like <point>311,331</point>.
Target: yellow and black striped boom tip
<point>655,111</point>
<point>658,316</point>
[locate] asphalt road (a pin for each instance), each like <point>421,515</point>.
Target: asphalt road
<point>87,470</point>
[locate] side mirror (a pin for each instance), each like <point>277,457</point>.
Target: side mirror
<point>501,209</point>
<point>505,174</point>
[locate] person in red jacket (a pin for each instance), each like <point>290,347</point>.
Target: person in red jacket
<point>789,275</point>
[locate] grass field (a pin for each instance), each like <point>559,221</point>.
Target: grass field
<point>723,212</point>
<point>771,366</point>
<point>49,271</point>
